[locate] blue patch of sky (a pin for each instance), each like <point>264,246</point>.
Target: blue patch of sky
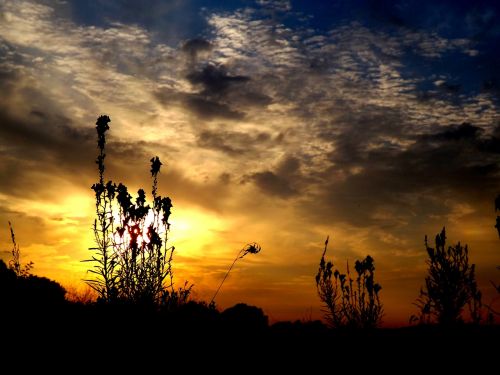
<point>169,21</point>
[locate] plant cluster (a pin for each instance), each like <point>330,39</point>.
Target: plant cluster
<point>450,285</point>
<point>15,262</point>
<point>132,258</point>
<point>348,302</point>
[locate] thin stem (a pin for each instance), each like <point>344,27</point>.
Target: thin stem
<point>225,277</point>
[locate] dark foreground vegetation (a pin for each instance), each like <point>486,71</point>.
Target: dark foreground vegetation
<point>37,320</point>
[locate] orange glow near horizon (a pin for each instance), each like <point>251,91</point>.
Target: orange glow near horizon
<point>202,256</point>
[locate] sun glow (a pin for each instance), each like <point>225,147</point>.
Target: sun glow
<point>192,228</point>
<point>188,228</point>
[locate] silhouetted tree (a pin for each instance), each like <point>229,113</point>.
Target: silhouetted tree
<point>132,260</point>
<point>347,302</point>
<point>449,286</point>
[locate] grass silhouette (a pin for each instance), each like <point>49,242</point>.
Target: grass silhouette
<point>15,262</point>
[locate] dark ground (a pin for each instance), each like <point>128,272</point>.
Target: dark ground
<point>41,331</point>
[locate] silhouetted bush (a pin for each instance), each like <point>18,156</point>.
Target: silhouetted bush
<point>347,302</point>
<point>132,262</point>
<point>244,317</point>
<point>28,292</point>
<point>449,286</point>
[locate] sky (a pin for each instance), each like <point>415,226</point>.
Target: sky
<point>280,122</point>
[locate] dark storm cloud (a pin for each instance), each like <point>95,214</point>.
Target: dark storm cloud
<point>273,184</point>
<point>233,143</point>
<point>203,107</point>
<point>219,94</point>
<point>355,131</point>
<point>193,47</point>
<point>283,182</point>
<point>215,80</point>
<point>209,109</point>
<point>453,163</point>
<point>45,144</point>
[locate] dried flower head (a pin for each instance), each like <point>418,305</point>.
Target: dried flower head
<point>155,165</point>
<point>102,126</point>
<point>251,248</point>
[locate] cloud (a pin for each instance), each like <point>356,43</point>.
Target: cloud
<point>214,80</point>
<point>331,98</point>
<point>235,144</point>
<point>454,164</point>
<point>195,47</point>
<point>209,109</point>
<point>283,181</point>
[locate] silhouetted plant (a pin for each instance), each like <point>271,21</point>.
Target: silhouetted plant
<point>85,296</point>
<point>348,302</point>
<point>174,298</point>
<point>251,248</point>
<point>104,259</point>
<point>132,259</point>
<point>15,262</point>
<point>491,310</point>
<point>449,286</point>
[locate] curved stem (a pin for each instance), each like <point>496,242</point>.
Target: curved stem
<point>225,277</point>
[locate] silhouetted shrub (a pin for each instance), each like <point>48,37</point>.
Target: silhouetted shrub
<point>8,282</point>
<point>193,316</point>
<point>244,317</point>
<point>449,286</point>
<point>84,296</point>
<point>28,292</point>
<point>132,262</point>
<point>347,302</point>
